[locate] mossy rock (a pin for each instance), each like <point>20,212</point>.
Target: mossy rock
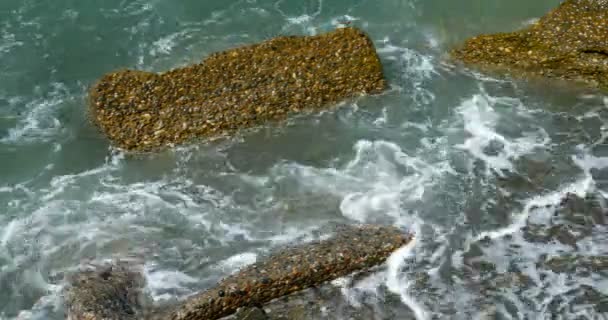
<point>570,43</point>
<point>235,89</point>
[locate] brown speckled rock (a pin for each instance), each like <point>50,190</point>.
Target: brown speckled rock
<point>571,43</point>
<point>235,89</point>
<point>352,249</point>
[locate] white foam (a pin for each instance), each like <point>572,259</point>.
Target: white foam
<point>580,188</point>
<point>163,284</point>
<point>379,163</point>
<point>237,261</point>
<point>8,41</point>
<point>587,162</point>
<point>355,291</point>
<point>416,69</point>
<point>397,282</point>
<point>299,19</point>
<point>8,232</point>
<point>165,44</point>
<point>39,123</point>
<point>480,121</point>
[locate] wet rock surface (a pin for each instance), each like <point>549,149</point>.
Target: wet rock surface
<point>326,302</point>
<point>108,291</point>
<point>350,250</point>
<point>570,42</point>
<point>235,89</point>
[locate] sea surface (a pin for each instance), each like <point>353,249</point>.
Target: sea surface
<point>475,165</point>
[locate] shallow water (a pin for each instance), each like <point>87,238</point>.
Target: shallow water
<point>475,166</point>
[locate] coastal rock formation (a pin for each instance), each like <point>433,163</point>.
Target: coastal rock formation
<point>234,89</point>
<point>571,43</point>
<point>351,249</point>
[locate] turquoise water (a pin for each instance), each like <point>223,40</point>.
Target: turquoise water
<point>474,165</point>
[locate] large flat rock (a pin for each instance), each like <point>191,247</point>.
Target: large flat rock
<point>235,89</point>
<point>570,42</point>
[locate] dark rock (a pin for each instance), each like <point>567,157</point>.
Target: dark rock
<point>574,219</point>
<point>109,291</point>
<point>251,314</point>
<point>571,42</point>
<point>235,89</point>
<point>583,298</point>
<point>577,264</point>
<point>351,249</point>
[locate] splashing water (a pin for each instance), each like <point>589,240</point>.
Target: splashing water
<point>502,183</point>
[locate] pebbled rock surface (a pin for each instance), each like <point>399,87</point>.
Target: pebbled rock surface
<point>352,249</point>
<point>570,42</point>
<point>234,89</point>
<point>110,291</point>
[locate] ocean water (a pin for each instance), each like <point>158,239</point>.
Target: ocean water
<point>475,165</point>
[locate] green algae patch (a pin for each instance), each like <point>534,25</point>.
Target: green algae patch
<point>235,89</point>
<point>570,43</point>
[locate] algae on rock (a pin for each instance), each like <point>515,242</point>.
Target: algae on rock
<point>235,89</point>
<point>570,43</point>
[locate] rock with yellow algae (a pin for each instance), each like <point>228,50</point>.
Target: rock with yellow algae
<point>235,89</point>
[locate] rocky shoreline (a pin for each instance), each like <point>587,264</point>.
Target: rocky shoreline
<point>115,291</point>
<point>254,85</point>
<point>235,89</point>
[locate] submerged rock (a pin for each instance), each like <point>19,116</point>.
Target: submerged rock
<point>235,89</point>
<point>574,219</point>
<point>352,249</point>
<point>571,42</point>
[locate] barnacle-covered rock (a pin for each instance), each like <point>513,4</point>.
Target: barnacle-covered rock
<point>235,89</point>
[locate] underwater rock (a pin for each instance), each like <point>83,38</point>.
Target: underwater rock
<point>570,42</point>
<point>577,264</point>
<point>352,249</point>
<point>573,219</point>
<point>235,89</point>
